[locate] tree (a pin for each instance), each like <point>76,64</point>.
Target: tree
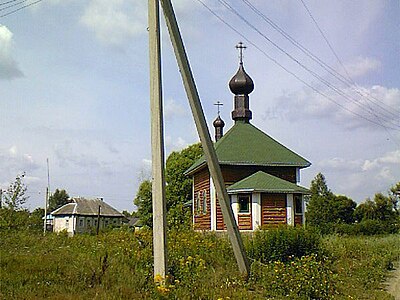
<point>14,197</point>
<point>325,209</point>
<point>178,188</point>
<point>382,208</point>
<point>318,208</point>
<point>143,202</point>
<point>35,219</point>
<point>343,209</point>
<point>394,195</point>
<point>58,199</point>
<point>13,214</point>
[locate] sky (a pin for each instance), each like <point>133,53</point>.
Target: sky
<point>74,89</point>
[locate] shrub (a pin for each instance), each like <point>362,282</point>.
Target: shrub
<point>283,243</point>
<point>367,227</point>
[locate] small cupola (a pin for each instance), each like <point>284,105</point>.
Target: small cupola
<point>241,85</point>
<point>218,124</point>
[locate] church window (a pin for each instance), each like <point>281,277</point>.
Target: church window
<point>204,207</point>
<point>244,203</point>
<point>197,207</point>
<point>298,204</point>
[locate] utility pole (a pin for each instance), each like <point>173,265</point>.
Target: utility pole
<point>202,129</point>
<point>157,145</point>
<point>98,220</point>
<point>46,202</point>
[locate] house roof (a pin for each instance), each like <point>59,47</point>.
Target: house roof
<point>245,144</point>
<point>87,207</point>
<point>263,182</point>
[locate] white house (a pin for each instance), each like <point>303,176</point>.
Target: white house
<point>83,214</point>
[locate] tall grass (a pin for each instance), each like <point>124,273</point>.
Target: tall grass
<point>118,265</point>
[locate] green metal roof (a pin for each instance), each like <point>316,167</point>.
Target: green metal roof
<point>263,182</point>
<point>245,144</point>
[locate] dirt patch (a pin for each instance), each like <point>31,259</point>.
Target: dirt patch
<point>393,283</point>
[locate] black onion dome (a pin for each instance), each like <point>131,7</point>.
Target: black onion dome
<point>241,83</point>
<point>218,122</point>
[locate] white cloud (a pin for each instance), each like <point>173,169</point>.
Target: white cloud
<point>361,176</point>
<point>390,158</point>
<point>12,163</point>
<point>8,66</point>
<point>362,66</point>
<point>115,21</point>
<point>175,144</point>
<point>174,109</point>
<point>341,163</point>
<point>374,109</point>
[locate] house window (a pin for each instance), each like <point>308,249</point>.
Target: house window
<point>204,208</point>
<point>81,222</point>
<point>244,203</point>
<point>67,223</point>
<point>298,204</point>
<point>88,222</point>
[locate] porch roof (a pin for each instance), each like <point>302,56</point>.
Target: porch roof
<point>263,182</point>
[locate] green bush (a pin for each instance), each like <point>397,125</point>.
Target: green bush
<point>367,227</point>
<point>282,244</point>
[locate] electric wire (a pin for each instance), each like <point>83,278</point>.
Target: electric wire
<point>12,5</point>
<point>347,81</point>
<point>344,68</point>
<point>20,8</point>
<point>325,82</point>
<point>11,1</point>
<point>286,69</point>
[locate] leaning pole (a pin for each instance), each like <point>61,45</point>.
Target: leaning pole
<point>202,129</point>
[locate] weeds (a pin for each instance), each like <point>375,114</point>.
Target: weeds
<point>118,265</point>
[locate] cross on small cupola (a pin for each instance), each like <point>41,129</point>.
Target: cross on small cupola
<point>218,123</point>
<point>218,104</point>
<point>241,47</point>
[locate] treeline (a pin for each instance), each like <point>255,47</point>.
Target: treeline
<point>13,213</point>
<point>330,213</point>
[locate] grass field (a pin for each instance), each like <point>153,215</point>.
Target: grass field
<point>118,265</point>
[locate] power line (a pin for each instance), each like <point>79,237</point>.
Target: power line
<point>12,5</point>
<point>11,1</point>
<point>286,69</point>
<point>347,81</point>
<point>341,63</point>
<point>325,82</point>
<point>20,8</point>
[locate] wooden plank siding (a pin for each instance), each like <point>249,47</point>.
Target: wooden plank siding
<point>245,221</point>
<point>298,220</point>
<point>236,173</point>
<point>273,209</point>
<point>273,206</point>
<point>202,184</point>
